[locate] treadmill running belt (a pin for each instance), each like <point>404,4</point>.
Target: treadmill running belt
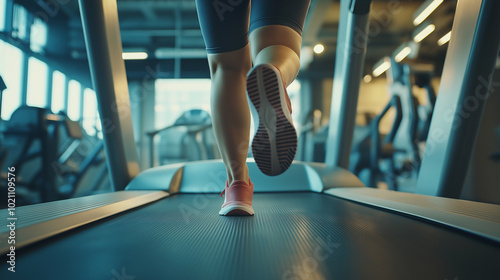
<point>299,235</point>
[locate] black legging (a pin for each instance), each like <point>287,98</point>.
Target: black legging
<point>225,23</point>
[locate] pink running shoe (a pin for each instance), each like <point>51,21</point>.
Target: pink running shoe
<point>237,199</point>
<point>275,141</point>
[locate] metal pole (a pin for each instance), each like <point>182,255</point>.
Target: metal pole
<point>349,62</point>
<point>107,69</point>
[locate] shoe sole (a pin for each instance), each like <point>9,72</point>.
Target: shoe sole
<point>237,210</point>
<point>275,142</point>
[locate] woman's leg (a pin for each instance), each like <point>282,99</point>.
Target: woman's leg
<point>275,50</point>
<point>276,34</point>
<point>278,45</point>
<point>225,27</point>
<point>230,111</point>
<point>275,41</point>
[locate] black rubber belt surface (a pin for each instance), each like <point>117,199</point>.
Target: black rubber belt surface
<point>292,236</point>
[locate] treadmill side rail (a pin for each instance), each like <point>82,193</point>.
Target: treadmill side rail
<point>478,218</point>
<point>44,220</point>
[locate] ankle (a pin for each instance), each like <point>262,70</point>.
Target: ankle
<point>244,179</point>
<point>241,176</point>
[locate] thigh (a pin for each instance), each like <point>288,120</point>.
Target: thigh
<point>290,13</point>
<point>224,24</point>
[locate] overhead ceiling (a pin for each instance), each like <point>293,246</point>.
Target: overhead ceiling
<point>391,24</point>
<point>172,26</point>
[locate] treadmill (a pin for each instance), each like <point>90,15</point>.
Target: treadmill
<point>315,221</point>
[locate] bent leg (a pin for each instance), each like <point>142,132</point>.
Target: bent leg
<point>230,111</point>
<point>278,45</point>
<point>275,51</point>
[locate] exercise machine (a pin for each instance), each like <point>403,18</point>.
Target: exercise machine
<point>398,154</point>
<point>369,151</point>
<point>190,138</point>
<point>49,152</point>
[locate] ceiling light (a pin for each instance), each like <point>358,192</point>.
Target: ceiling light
<point>170,53</point>
<point>134,55</point>
<point>381,66</point>
<point>424,33</point>
<point>444,39</point>
<point>425,10</point>
<point>319,48</point>
<point>381,69</point>
<point>402,54</point>
<point>367,78</point>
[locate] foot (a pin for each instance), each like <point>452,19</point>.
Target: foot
<point>238,199</point>
<point>275,141</point>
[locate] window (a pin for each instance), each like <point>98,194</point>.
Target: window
<point>19,22</point>
<point>37,83</point>
<point>293,91</point>
<point>2,14</point>
<point>58,92</point>
<point>89,111</point>
<point>38,35</point>
<point>74,94</point>
<point>174,97</point>
<point>10,69</point>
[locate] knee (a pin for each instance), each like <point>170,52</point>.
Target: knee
<point>275,35</point>
<point>229,64</point>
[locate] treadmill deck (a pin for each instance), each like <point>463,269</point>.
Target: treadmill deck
<point>297,235</point>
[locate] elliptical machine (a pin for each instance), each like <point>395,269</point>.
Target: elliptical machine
<point>374,147</point>
<point>31,137</point>
<point>40,145</point>
<point>378,158</point>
